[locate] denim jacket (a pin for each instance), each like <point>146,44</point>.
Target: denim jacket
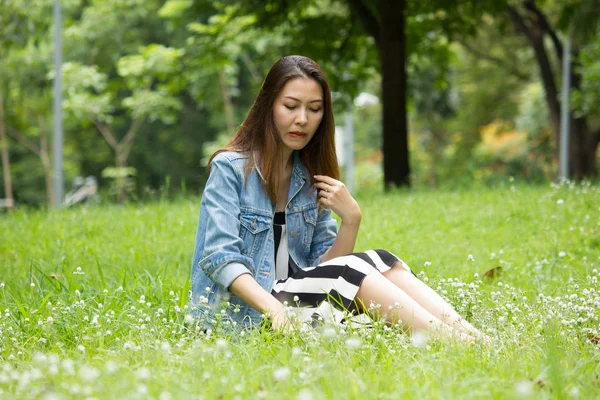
<point>235,233</point>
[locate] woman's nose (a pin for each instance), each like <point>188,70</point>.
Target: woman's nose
<point>301,119</point>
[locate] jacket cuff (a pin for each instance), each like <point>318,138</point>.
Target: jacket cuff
<point>228,273</point>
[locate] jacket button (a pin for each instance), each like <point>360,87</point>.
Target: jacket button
<point>289,206</point>
<point>293,233</point>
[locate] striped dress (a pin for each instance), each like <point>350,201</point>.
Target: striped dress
<point>326,292</point>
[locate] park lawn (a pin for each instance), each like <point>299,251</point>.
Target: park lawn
<point>93,305</point>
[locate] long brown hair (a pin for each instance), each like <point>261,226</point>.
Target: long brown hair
<point>258,134</point>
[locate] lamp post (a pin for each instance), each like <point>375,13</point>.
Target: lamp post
<point>57,143</point>
<point>564,112</point>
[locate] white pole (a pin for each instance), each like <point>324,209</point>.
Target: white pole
<point>349,149</point>
<point>564,112</point>
<point>57,143</point>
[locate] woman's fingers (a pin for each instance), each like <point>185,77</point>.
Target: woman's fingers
<point>333,194</point>
<point>328,184</point>
<point>326,179</point>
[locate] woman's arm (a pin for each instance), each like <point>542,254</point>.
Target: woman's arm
<point>218,249</point>
<point>251,293</point>
<point>344,241</point>
<point>333,194</point>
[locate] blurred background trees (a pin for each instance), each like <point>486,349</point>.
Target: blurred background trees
<point>467,91</point>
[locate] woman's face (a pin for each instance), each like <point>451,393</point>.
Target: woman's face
<point>298,111</point>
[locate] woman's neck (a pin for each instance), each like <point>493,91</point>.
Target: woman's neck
<point>287,163</point>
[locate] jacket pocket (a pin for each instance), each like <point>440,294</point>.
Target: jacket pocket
<point>254,229</point>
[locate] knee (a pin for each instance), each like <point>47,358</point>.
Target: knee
<point>401,266</point>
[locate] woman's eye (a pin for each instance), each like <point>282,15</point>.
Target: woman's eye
<point>315,110</point>
<point>290,107</point>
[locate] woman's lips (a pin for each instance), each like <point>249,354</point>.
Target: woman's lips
<point>297,135</point>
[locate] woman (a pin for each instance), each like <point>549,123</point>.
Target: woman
<point>266,233</point>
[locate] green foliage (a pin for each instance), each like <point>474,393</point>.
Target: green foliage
<point>586,99</point>
<point>182,74</point>
<point>121,181</point>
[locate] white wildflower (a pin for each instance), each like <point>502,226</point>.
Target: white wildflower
<point>470,257</point>
<point>329,332</point>
<point>221,344</point>
<point>78,271</point>
<point>523,388</point>
<point>111,367</point>
<point>143,373</point>
<point>305,394</point>
<point>561,254</point>
<point>281,374</point>
<point>166,347</point>
<point>353,343</point>
<point>419,339</point>
<point>296,351</point>
<point>165,396</point>
<point>574,392</point>
<point>88,373</point>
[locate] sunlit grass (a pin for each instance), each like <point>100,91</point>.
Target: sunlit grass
<point>93,303</point>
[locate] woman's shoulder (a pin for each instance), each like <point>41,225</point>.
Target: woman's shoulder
<point>235,159</point>
<point>231,156</point>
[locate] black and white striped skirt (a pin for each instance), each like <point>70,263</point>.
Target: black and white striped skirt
<point>328,292</point>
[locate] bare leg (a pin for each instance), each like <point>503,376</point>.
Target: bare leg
<point>398,306</point>
<point>429,299</point>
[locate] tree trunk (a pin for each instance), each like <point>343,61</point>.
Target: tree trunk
<point>45,157</point>
<point>227,103</point>
<point>583,143</point>
<point>550,90</point>
<point>583,147</point>
<point>8,193</point>
<point>47,176</point>
<point>396,169</point>
<point>121,156</point>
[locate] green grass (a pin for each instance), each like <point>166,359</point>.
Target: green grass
<point>116,328</point>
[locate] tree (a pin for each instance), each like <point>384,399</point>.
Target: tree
<point>151,78</point>
<point>578,19</point>
<point>13,30</point>
<point>24,51</point>
<point>330,32</point>
<point>121,73</point>
<point>386,24</point>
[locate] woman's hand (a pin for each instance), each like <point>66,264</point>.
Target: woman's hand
<point>279,322</point>
<point>333,194</point>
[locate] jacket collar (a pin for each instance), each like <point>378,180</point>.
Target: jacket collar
<point>298,168</point>
<point>298,177</point>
